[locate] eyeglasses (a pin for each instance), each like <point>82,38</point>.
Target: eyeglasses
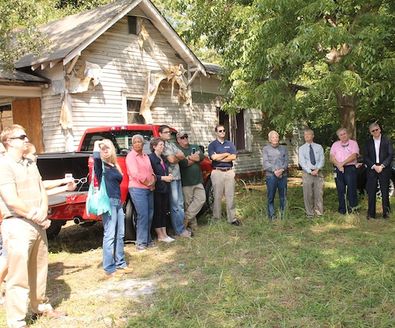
<point>184,137</point>
<point>167,132</point>
<point>21,137</point>
<point>374,130</point>
<point>82,180</point>
<point>220,131</point>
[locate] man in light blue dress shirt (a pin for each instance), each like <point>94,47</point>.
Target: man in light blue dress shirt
<point>311,159</point>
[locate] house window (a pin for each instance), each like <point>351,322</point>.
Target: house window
<point>235,127</point>
<point>133,111</point>
<point>132,25</point>
<point>5,116</point>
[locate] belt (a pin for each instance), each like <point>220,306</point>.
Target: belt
<point>223,168</point>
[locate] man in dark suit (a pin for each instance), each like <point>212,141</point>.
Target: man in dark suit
<point>378,158</point>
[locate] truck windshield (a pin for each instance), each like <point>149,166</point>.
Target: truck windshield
<point>121,139</point>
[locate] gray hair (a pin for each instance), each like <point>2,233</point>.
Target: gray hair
<point>137,136</point>
<point>269,135</point>
<point>374,125</point>
<point>308,130</point>
<point>340,130</point>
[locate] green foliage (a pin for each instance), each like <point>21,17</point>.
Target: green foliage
<point>272,47</point>
<point>20,19</point>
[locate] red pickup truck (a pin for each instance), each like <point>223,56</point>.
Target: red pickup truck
<point>71,205</point>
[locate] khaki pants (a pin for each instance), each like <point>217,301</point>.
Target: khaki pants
<point>194,199</point>
<point>313,193</point>
<point>27,247</point>
<point>224,184</point>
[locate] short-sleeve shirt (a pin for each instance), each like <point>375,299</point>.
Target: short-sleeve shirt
<point>174,169</point>
<point>26,178</point>
<point>217,147</point>
<point>191,175</point>
<point>342,151</point>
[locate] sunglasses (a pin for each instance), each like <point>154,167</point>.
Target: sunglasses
<point>374,130</point>
<point>184,137</point>
<point>220,131</point>
<point>21,137</point>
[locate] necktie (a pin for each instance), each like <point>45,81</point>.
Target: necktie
<point>312,156</point>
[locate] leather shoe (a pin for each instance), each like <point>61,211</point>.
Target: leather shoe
<point>236,223</point>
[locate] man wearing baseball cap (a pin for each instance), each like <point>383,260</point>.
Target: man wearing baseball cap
<point>191,179</point>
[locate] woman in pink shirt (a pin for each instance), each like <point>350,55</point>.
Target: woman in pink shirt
<point>141,185</point>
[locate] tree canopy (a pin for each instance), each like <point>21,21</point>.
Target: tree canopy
<point>322,62</point>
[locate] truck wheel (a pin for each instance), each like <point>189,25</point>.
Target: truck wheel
<point>130,221</point>
<point>54,228</point>
<point>208,205</point>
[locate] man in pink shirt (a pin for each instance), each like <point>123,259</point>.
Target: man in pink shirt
<point>343,155</point>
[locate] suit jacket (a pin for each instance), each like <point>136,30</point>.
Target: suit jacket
<point>386,153</point>
<point>160,186</point>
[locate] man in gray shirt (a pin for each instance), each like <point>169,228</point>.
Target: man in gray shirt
<point>275,165</point>
<point>311,159</point>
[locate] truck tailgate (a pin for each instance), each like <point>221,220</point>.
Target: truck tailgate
<point>67,197</point>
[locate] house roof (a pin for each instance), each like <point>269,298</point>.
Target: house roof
<point>69,36</point>
<point>15,76</point>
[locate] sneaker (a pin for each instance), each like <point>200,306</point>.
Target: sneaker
<point>167,239</point>
<point>141,248</point>
<point>124,270</point>
<point>236,223</point>
<point>185,234</point>
<point>52,314</point>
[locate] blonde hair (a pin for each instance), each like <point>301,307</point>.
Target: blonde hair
<point>113,154</point>
<point>8,131</point>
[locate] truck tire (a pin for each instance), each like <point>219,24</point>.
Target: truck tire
<point>208,205</point>
<point>54,228</point>
<point>130,221</point>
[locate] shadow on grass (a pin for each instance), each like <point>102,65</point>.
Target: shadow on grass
<point>77,239</point>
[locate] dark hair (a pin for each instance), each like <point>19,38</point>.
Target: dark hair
<point>163,127</point>
<point>154,142</point>
<point>217,126</point>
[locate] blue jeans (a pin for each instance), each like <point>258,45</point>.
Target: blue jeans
<point>143,200</point>
<point>177,206</point>
<point>347,179</point>
<point>273,183</point>
<point>114,231</point>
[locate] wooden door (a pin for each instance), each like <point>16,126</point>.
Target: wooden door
<point>27,112</point>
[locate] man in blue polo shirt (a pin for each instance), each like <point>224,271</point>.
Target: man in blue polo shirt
<point>223,152</point>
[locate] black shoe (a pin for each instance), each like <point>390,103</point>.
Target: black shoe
<point>386,216</point>
<point>236,223</point>
<point>370,217</point>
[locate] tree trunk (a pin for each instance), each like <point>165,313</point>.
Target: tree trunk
<point>347,106</point>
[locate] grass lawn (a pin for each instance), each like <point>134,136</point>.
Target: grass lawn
<point>336,271</point>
